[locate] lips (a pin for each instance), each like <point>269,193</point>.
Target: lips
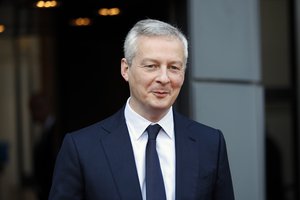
<point>161,93</point>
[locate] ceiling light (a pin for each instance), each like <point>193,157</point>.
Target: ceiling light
<point>46,4</point>
<point>109,11</point>
<point>81,21</point>
<point>2,28</point>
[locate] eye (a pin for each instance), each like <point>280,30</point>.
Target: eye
<point>151,66</point>
<point>175,68</point>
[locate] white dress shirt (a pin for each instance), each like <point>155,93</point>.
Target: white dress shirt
<point>165,145</point>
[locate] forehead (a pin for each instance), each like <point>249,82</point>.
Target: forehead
<point>160,46</point>
<point>158,39</point>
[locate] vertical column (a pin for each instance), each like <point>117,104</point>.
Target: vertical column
<point>8,174</point>
<point>297,38</point>
<point>19,76</point>
<point>226,85</point>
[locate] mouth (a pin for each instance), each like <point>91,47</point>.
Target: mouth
<point>161,93</point>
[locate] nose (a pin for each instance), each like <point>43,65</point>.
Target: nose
<point>163,76</point>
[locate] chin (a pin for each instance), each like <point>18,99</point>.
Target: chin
<point>161,104</point>
<point>161,107</point>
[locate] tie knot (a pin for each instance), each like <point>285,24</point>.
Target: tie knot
<point>153,131</point>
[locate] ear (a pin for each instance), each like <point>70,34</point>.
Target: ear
<point>124,69</point>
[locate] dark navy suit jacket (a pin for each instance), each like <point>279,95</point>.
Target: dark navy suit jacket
<point>97,163</point>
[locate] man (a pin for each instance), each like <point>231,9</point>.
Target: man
<point>109,160</point>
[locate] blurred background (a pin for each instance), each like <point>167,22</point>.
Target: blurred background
<point>60,71</point>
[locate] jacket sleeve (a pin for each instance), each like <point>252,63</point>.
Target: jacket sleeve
<point>223,188</point>
<point>67,183</point>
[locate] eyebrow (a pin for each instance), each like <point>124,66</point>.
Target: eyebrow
<point>156,61</point>
<point>148,60</point>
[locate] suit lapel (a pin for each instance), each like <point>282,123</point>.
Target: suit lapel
<point>187,161</point>
<point>118,148</point>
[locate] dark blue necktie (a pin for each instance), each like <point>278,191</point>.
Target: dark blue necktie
<point>155,189</point>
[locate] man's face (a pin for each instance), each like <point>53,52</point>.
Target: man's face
<point>156,75</point>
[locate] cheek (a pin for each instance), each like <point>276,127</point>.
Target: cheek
<point>177,82</point>
<point>139,85</point>
<point>144,81</point>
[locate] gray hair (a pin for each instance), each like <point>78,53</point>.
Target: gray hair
<point>151,27</point>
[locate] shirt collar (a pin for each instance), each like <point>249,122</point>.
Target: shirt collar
<point>139,123</point>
